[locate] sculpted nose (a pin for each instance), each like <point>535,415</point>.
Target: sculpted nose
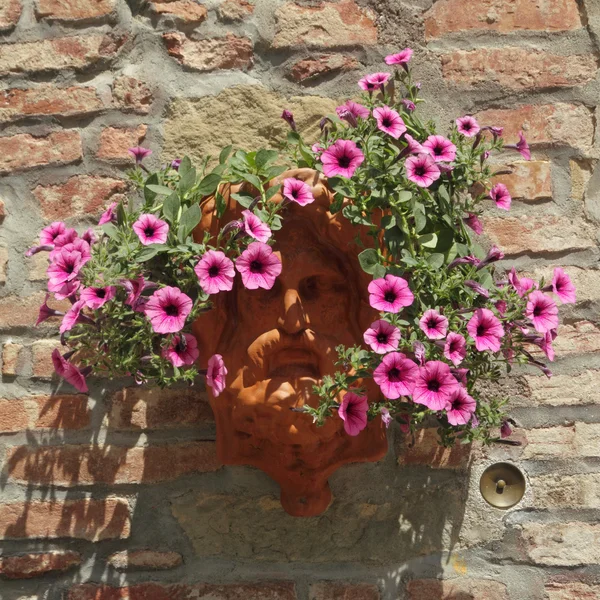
<point>293,319</point>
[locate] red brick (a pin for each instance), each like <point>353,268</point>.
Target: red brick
<point>311,68</point>
<point>517,68</point>
<point>12,359</point>
<point>26,566</point>
<point>75,52</point>
<point>23,312</point>
<point>74,10</point>
<point>343,591</point>
<point>450,16</point>
<point>230,52</point>
<point>547,124</point>
<point>23,151</point>
<point>41,351</point>
<point>426,451</point>
<point>132,95</point>
<point>235,10</point>
<point>87,465</point>
<point>188,11</point>
<point>530,180</point>
<point>79,196</point>
<point>48,100</point>
<point>456,589</point>
<point>153,408</point>
<point>329,25</point>
<point>203,591</point>
<point>92,520</point>
<point>572,591</point>
<point>10,11</point>
<point>13,415</point>
<point>137,560</point>
<point>114,142</point>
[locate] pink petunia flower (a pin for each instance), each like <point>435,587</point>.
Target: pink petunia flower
<point>460,407</point>
<point>440,148</point>
<point>486,329</point>
<point>386,418</point>
<point>89,236</point>
<point>563,287</point>
<point>460,375</point>
<point>434,385</point>
<point>522,285</point>
<point>413,146</point>
<point>215,272</point>
<point>409,104</point>
<point>401,58</point>
<point>501,196</point>
<point>69,236</point>
<point>422,170</point>
<point>522,147</point>
<point>546,344</point>
<point>317,149</point>
<point>183,350</point>
<point>389,121</point>
<point>390,294</point>
<point>167,309</point>
<point>151,230</point>
<point>255,228</point>
<point>46,312</point>
<point>474,223</point>
<point>342,158</point>
<point>216,374</point>
<point>494,254</point>
<point>501,306</point>
<point>134,288</point>
<point>468,126</point>
<point>382,336</point>
<point>62,291</point>
<point>50,233</point>
<point>464,260</point>
<point>71,317</point>
<point>419,351</point>
<point>175,164</point>
<point>455,349</point>
<point>69,372</point>
<point>373,82</point>
<point>353,411</point>
<point>395,375</point>
<point>108,215</point>
<point>65,267</point>
<point>433,325</point>
<point>505,430</point>
<point>77,245</point>
<point>297,191</point>
<point>139,153</point>
<point>95,297</point>
<point>354,108</point>
<point>543,312</point>
<point>258,266</point>
<point>346,115</point>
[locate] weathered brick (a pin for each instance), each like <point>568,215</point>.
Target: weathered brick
<point>457,16</point>
<point>153,408</point>
<point>41,358</point>
<point>23,312</point>
<point>326,26</point>
<point>92,520</point>
<point>49,100</point>
<point>3,264</point>
<point>188,11</point>
<point>10,11</point>
<point>75,52</point>
<point>581,172</point>
<point>536,233</point>
<point>2,210</point>
<point>132,95</point>
<point>37,265</point>
<point>530,180</point>
<point>572,441</point>
<point>203,591</point>
<point>566,491</point>
<point>139,560</point>
<point>87,465</point>
<point>26,566</point>
<point>74,10</point>
<point>562,390</point>
<point>463,588</point>
<point>114,142</point>
<point>229,52</point>
<point>582,337</point>
<point>235,10</point>
<point>325,64</point>
<point>12,359</point>
<point>426,451</point>
<point>23,151</point>
<point>79,196</point>
<point>586,281</point>
<point>343,591</point>
<point>572,591</point>
<point>545,124</point>
<point>13,415</point>
<point>561,544</point>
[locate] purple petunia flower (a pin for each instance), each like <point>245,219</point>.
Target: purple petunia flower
<point>297,191</point>
<point>139,153</point>
<point>342,158</point>
<point>355,109</point>
<point>468,126</point>
<point>460,407</point>
<point>216,374</point>
<point>486,329</point>
<point>474,223</point>
<point>95,297</point>
<point>455,349</point>
<point>395,375</point>
<point>563,287</point>
<point>167,309</point>
<point>389,121</point>
<point>183,350</point>
<point>373,82</point>
<point>542,311</point>
<point>422,170</point>
<point>108,215</point>
<point>382,336</point>
<point>390,294</point>
<point>353,411</point>
<point>501,196</point>
<point>434,385</point>
<point>254,227</point>
<point>433,325</point>
<point>401,58</point>
<point>215,272</point>
<point>440,148</point>
<point>258,266</point>
<point>151,230</point>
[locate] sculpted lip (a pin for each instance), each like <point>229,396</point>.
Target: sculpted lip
<point>293,361</point>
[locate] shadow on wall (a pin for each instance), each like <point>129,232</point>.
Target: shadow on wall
<point>136,470</point>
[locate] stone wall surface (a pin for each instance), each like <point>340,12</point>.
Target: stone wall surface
<point>119,495</point>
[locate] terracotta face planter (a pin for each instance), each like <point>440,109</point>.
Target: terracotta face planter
<point>278,343</point>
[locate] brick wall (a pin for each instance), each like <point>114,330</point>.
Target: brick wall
<point>119,495</point>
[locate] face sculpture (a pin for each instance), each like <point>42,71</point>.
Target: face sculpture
<point>278,343</point>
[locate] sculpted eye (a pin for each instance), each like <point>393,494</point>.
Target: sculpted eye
<point>312,287</point>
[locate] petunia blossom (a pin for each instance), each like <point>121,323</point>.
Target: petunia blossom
<point>386,418</point>
<point>467,126</point>
<point>455,349</point>
<point>95,297</point>
<point>477,287</point>
<point>353,411</point>
<point>474,223</point>
<point>258,266</point>
<point>522,285</point>
<point>139,153</point>
<point>389,121</point>
<point>288,117</point>
<point>440,148</point>
<point>216,374</point>
<point>46,312</point>
<point>254,227</point>
<point>76,245</point>
<point>546,344</point>
<point>342,158</point>
<point>413,146</point>
<point>65,267</point>
<point>422,170</point>
<point>51,232</point>
<point>374,81</point>
<point>62,291</point>
<point>542,311</point>
<point>563,287</point>
<point>108,215</point>
<point>395,375</point>
<point>501,196</point>
<point>433,325</point>
<point>167,309</point>
<point>390,294</point>
<point>71,317</point>
<point>354,108</point>
<point>486,329</point>
<point>400,58</point>
<point>69,372</point>
<point>134,288</point>
<point>382,336</point>
<point>150,229</point>
<point>215,272</point>
<point>434,385</point>
<point>460,407</point>
<point>89,236</point>
<point>183,350</point>
<point>297,191</point>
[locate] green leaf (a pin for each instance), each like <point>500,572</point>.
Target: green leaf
<point>429,240</point>
<point>394,238</point>
<point>160,189</point>
<point>149,195</point>
<point>185,166</point>
<point>171,207</point>
<point>121,216</point>
<point>404,196</point>
<point>420,218</point>
<point>293,137</point>
<point>110,230</point>
<point>436,260</point>
<point>243,199</point>
<point>272,172</point>
<point>336,205</point>
<point>272,191</point>
<point>149,252</point>
<point>209,184</point>
<point>379,271</point>
<point>189,219</point>
<point>368,260</point>
<point>443,192</point>
<point>264,157</point>
<point>253,180</point>
<point>388,221</point>
<point>354,214</point>
<point>221,204</point>
<point>187,181</point>
<point>225,154</point>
